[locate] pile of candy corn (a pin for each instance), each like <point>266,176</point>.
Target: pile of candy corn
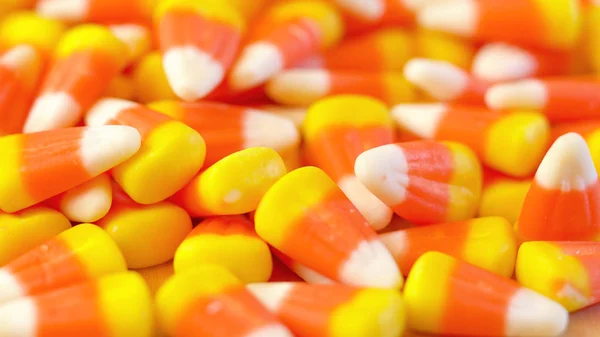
<point>310,168</point>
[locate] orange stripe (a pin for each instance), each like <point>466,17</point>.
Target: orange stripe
<point>297,40</point>
<point>307,309</point>
<point>15,100</point>
<point>179,28</point>
<point>51,162</point>
<point>395,15</point>
<point>359,55</point>
<point>572,99</point>
<point>51,265</point>
<point>584,128</point>
<point>360,84</point>
<point>141,118</point>
<point>552,62</point>
<point>84,75</point>
<point>477,302</point>
<point>335,149</point>
<point>328,233</point>
<point>467,125</point>
<point>225,225</point>
<point>281,273</point>
<point>510,20</point>
<point>474,93</point>
<point>188,199</point>
<point>116,10</point>
<point>234,313</point>
<point>545,213</point>
<point>588,253</point>
<point>430,166</point>
<point>71,312</point>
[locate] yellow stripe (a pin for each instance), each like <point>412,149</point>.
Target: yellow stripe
<point>92,37</point>
<point>214,9</point>
<point>465,183</point>
<point>25,28</point>
<point>398,89</point>
<point>504,198</point>
<point>13,193</point>
<point>563,20</point>
<point>397,46</point>
<point>491,244</point>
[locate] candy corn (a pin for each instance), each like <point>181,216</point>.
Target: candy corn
<point>78,254</point>
<point>562,203</point>
<point>209,301</point>
<point>97,10</point>
<point>22,231</point>
<point>112,306</point>
<point>228,129</point>
<point>290,32</point>
<point>502,196</point>
<point>24,27</point>
<point>424,182</point>
<point>588,129</point>
<point>488,243</point>
<point>170,150</point>
<point>511,143</point>
<point>230,242</point>
<point>198,41</point>
<point>335,310</point>
<point>560,99</point>
<point>320,228</point>
<point>538,23</point>
<point>446,296</point>
<point>150,81</point>
<point>233,185</point>
<point>37,166</point>
<point>88,57</point>
<point>563,271</point>
<point>147,235</point>
<point>445,82</point>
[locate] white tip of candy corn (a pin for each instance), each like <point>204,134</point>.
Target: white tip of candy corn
<point>420,119</point>
<point>567,165</point>
<point>371,265</point>
<point>106,110</point>
<point>104,147</point>
<point>526,94</point>
<point>498,62</point>
<point>271,295</point>
<point>86,204</point>
<point>272,330</point>
<point>10,287</point>
<point>52,111</point>
<point>377,214</point>
<point>417,5</point>
<point>370,9</point>
<point>269,130</point>
<point>531,314</point>
<point>19,318</point>
<point>20,57</point>
<point>191,72</point>
<point>383,170</point>
<point>258,63</point>
<point>441,80</point>
<point>453,16</point>
<point>299,87</point>
<point>69,10</point>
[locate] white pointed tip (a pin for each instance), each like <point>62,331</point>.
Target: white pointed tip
<point>419,119</point>
<point>19,318</point>
<point>384,171</point>
<point>441,80</point>
<point>531,314</point>
<point>269,130</point>
<point>567,165</point>
<point>377,213</point>
<point>257,64</point>
<point>371,265</point>
<point>192,73</point>
<point>371,10</point>
<point>299,87</point>
<point>453,16</point>
<point>104,147</point>
<point>500,62</point>
<point>86,205</point>
<point>418,5</point>
<point>21,57</point>
<point>526,94</point>
<point>10,287</point>
<point>271,295</point>
<point>106,110</point>
<point>52,111</point>
<point>272,330</point>
<point>69,10</point>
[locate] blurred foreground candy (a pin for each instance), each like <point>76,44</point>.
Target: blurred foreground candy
<point>97,10</point>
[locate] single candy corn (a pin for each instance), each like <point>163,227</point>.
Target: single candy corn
<point>20,70</point>
<point>498,62</point>
<point>488,243</point>
<point>198,41</point>
<point>445,82</point>
<point>305,273</point>
<point>502,196</point>
<point>148,235</point>
<point>24,28</point>
<point>97,10</point>
<point>538,23</point>
<point>78,254</point>
<point>112,306</point>
<point>136,37</point>
<point>87,202</point>
<point>289,33</point>
<point>588,129</point>
<point>563,271</point>
<point>320,228</point>
<point>334,139</point>
<point>24,230</point>
<point>511,143</point>
<point>171,153</point>
<point>335,310</point>
<point>228,129</point>
<point>210,301</point>
<point>37,166</point>
<point>302,87</point>
<point>446,296</point>
<point>440,46</point>
<point>424,182</point>
<point>87,58</point>
<point>561,99</point>
<point>563,201</point>
<point>233,185</point>
<point>150,81</point>
<point>230,242</point>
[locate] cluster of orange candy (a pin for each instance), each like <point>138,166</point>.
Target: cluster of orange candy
<point>277,168</point>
